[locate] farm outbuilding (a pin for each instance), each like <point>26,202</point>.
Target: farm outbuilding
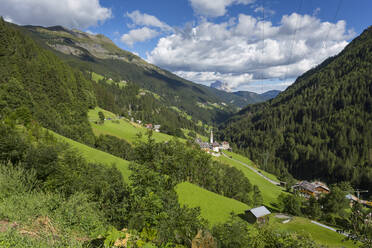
<point>257,215</point>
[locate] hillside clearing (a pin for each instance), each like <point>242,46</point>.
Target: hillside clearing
<point>320,234</point>
<point>215,208</point>
<point>97,156</point>
<point>123,128</point>
<point>243,159</point>
<point>269,191</point>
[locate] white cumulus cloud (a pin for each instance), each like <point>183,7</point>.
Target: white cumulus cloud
<point>250,49</point>
<point>143,19</point>
<point>214,8</point>
<point>138,35</point>
<point>68,13</point>
<point>231,80</point>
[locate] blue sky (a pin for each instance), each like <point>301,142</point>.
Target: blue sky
<point>209,40</point>
<point>178,13</point>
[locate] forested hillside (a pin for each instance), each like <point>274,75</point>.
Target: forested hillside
<point>320,127</point>
<point>35,83</point>
<point>132,102</point>
<point>99,54</point>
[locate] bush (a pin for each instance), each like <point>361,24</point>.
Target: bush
<point>46,213</point>
<point>15,180</point>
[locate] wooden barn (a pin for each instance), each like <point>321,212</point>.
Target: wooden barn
<point>257,215</point>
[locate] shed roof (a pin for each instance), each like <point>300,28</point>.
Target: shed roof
<point>259,211</point>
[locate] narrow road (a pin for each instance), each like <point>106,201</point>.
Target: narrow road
<point>328,227</point>
<point>253,169</point>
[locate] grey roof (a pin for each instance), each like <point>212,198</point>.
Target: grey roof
<point>320,184</point>
<point>204,145</point>
<point>305,185</point>
<point>260,211</point>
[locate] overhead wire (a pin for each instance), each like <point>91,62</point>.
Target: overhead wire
<point>293,39</point>
<point>263,41</point>
<point>334,19</point>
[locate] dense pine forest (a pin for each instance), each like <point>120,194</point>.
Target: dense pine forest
<point>320,127</point>
<point>35,83</point>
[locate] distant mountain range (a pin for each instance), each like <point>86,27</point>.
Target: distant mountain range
<point>270,94</point>
<point>258,97</point>
<point>221,86</point>
<point>245,97</point>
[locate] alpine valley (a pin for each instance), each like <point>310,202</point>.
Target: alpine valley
<point>99,148</point>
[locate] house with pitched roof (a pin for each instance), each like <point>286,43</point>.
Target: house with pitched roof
<point>258,215</point>
<point>307,189</point>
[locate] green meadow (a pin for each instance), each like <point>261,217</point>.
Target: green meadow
<point>122,128</point>
<point>320,234</point>
<point>243,159</point>
<point>214,208</point>
<point>269,191</point>
<point>97,156</point>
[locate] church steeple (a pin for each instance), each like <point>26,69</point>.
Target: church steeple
<point>211,141</point>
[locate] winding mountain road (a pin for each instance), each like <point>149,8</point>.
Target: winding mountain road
<point>253,169</point>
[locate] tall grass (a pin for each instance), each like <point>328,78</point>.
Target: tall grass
<point>44,218</point>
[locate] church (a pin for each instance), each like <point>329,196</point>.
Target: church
<point>213,147</point>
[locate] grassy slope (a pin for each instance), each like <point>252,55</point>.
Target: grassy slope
<point>96,77</point>
<point>93,114</point>
<point>97,156</point>
<point>268,190</point>
<point>319,234</point>
<point>124,129</point>
<point>249,162</point>
<point>215,208</point>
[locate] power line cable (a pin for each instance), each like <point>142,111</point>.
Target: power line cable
<point>294,38</point>
<point>263,40</point>
<point>334,19</point>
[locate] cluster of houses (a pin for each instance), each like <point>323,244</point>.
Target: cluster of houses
<point>315,189</point>
<point>213,147</point>
<point>307,189</point>
<point>150,126</point>
<point>156,128</point>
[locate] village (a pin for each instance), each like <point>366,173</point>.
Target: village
<point>303,188</point>
<point>213,147</point>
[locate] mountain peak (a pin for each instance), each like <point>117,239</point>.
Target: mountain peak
<point>221,86</point>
